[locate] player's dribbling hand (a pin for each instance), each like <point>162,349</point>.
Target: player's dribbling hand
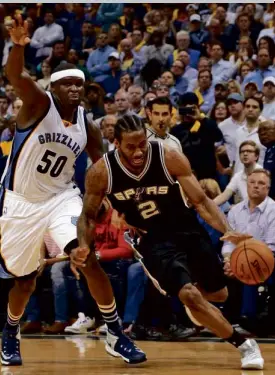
<point>18,31</point>
<point>78,258</point>
<point>235,237</point>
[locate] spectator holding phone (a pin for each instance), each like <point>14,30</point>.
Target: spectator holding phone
<point>199,137</point>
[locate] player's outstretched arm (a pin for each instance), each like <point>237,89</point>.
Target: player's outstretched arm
<point>35,99</point>
<point>94,146</point>
<point>96,185</point>
<point>179,167</point>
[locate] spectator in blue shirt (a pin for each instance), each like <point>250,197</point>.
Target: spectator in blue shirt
<point>97,62</point>
<point>264,69</point>
<point>266,133</point>
<point>108,14</point>
<point>206,90</point>
<point>111,83</point>
<point>87,39</point>
<point>183,42</point>
<point>181,83</point>
<point>198,36</point>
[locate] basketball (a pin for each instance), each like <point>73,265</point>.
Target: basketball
<point>252,262</point>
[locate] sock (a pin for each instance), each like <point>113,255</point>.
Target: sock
<point>12,321</point>
<point>110,316</point>
<point>236,339</point>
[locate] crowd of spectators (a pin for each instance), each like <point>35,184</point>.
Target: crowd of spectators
<point>202,76</point>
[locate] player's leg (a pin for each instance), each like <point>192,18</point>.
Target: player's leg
<point>63,231</point>
<point>22,228</point>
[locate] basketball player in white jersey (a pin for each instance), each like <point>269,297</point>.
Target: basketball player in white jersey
<point>38,195</point>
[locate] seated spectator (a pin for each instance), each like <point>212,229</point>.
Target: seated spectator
<point>244,69</point>
<point>138,44</point>
<point>250,90</point>
<point>249,155</point>
<point>252,109</point>
<point>183,43</point>
<point>108,131</point>
<point>44,37</point>
<point>129,61</point>
<point>135,94</point>
<point>269,98</point>
<point>111,82</point>
<point>221,69</point>
<point>97,63</point>
<point>198,36</point>
<point>219,112</point>
<point>198,136</point>
<point>242,28</point>
<point>221,91</point>
<point>189,72</point>
<point>157,48</point>
<point>109,108</point>
<point>122,103</point>
<point>73,58</point>
<point>216,34</point>
<point>244,52</point>
<point>114,35</point>
<point>234,87</point>
<point>109,13</point>
<point>4,105</point>
<point>263,70</point>
<point>230,125</point>
<point>46,72</point>
<point>86,41</point>
<point>126,80</point>
<point>94,95</point>
<point>181,83</point>
<point>266,133</point>
<point>268,31</point>
<point>160,116</point>
<point>58,55</point>
<point>16,106</point>
<point>11,95</point>
<point>266,42</point>
<point>203,64</point>
<point>205,91</point>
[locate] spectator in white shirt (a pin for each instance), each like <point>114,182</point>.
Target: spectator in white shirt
<point>269,98</point>
<point>253,108</point>
<point>249,154</point>
<point>229,126</point>
<point>254,216</point>
<point>160,116</point>
<point>44,37</point>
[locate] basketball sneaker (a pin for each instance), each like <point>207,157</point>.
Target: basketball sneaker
<point>251,355</point>
<point>81,325</point>
<point>122,346</point>
<point>10,354</point>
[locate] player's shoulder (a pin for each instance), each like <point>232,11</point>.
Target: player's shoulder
<point>97,175</point>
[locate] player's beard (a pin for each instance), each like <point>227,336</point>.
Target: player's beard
<point>129,165</point>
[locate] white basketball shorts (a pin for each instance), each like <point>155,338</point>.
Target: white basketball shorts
<point>23,225</point>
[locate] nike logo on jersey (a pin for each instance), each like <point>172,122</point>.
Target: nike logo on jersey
<point>60,138</point>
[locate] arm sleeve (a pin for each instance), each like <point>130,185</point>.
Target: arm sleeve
<point>233,184</point>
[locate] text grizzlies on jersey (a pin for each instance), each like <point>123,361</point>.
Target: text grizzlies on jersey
<point>60,138</point>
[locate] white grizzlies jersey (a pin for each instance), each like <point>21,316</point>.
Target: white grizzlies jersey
<point>41,162</point>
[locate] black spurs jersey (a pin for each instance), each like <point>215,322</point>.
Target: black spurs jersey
<point>151,201</point>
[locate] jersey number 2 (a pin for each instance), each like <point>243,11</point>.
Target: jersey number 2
<point>55,166</point>
<point>148,209</point>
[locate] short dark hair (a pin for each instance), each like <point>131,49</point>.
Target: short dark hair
<point>205,70</point>
<point>259,101</point>
<point>128,124</point>
<point>64,66</point>
<point>217,43</point>
<point>160,101</point>
<point>58,42</point>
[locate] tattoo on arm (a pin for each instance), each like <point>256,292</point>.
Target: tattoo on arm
<point>96,185</point>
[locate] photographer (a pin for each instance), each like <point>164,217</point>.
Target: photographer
<point>199,137</point>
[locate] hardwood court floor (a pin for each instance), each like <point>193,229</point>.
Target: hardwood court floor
<point>77,355</point>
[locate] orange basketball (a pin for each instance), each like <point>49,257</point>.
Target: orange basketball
<point>252,262</point>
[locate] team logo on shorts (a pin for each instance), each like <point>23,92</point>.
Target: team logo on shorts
<point>74,220</point>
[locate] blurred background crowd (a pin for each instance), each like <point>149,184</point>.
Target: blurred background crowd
<point>202,76</point>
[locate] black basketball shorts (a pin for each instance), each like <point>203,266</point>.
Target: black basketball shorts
<point>181,259</point>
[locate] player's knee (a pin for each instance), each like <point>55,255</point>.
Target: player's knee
<point>26,286</point>
<point>220,296</point>
<point>190,295</point>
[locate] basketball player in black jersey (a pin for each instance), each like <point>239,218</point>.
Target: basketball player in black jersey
<point>148,183</point>
<point>67,91</point>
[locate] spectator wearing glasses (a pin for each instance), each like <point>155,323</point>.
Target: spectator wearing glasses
<point>249,155</point>
<point>181,83</point>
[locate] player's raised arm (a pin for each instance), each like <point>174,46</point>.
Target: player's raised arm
<point>35,99</point>
<point>94,146</point>
<point>95,187</point>
<point>179,167</point>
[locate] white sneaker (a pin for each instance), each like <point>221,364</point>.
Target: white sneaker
<point>82,324</point>
<point>251,355</point>
<point>102,330</point>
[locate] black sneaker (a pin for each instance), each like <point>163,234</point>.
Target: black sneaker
<point>178,332</point>
<point>10,354</point>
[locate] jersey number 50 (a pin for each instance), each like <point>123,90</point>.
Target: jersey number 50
<point>148,209</point>
<point>52,164</point>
